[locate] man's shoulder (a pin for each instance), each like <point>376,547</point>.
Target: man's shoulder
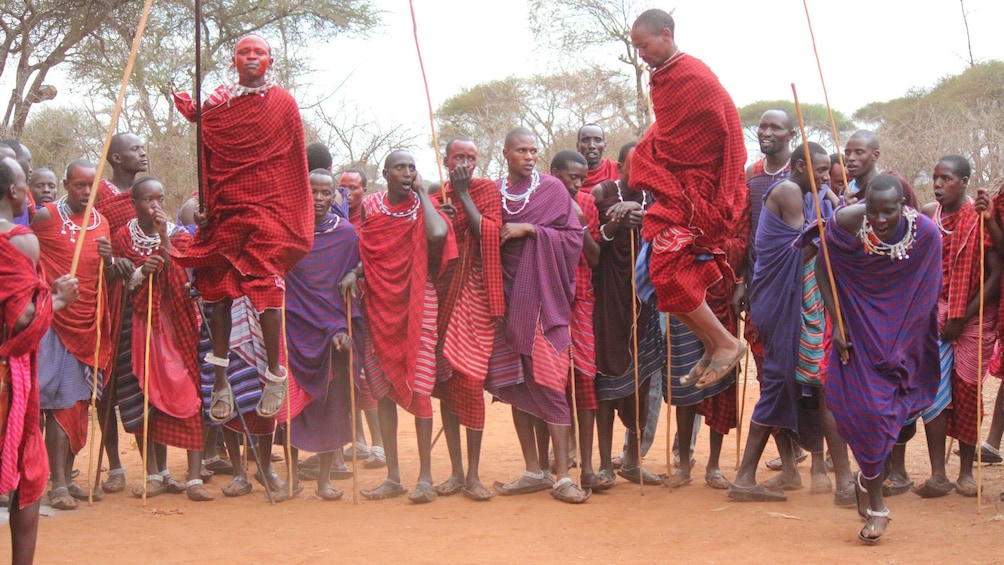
<point>849,217</point>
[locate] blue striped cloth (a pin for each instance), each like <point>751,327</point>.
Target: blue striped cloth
<point>943,398</point>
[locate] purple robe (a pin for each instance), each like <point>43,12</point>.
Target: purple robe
<point>538,277</point>
<point>890,309</point>
<point>315,313</point>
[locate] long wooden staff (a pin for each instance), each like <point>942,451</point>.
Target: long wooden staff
<point>575,407</point>
<point>352,397</point>
<point>637,388</point>
<point>669,396</point>
<point>289,408</point>
<point>741,401</point>
<point>89,209</point>
<point>147,444</point>
<point>198,104</point>
<point>826,97</point>
<point>819,222</point>
<point>428,99</point>
<point>94,391</point>
<point>979,375</point>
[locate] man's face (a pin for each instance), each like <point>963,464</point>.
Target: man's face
<point>883,209</point>
<point>353,183</point>
<point>859,157</point>
<point>324,194</point>
<point>820,169</point>
<point>43,186</point>
<point>462,154</point>
<point>521,156</point>
<point>837,183</point>
<point>949,188</point>
<point>19,188</point>
<point>252,57</point>
<point>774,132</point>
<point>78,188</point>
<point>591,145</point>
<point>130,155</point>
<point>654,47</point>
<point>400,173</point>
<point>572,176</point>
<point>149,200</point>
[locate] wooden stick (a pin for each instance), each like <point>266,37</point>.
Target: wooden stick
<point>89,209</point>
<point>352,397</point>
<point>741,400</point>
<point>146,382</point>
<point>575,408</point>
<point>198,104</point>
<point>94,391</point>
<point>669,396</point>
<point>289,409</point>
<point>637,387</point>
<point>979,373</point>
<point>826,97</point>
<point>428,98</point>
<point>819,219</point>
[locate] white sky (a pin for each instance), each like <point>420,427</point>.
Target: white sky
<point>871,50</point>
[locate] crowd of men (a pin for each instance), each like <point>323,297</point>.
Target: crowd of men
<point>288,295</point>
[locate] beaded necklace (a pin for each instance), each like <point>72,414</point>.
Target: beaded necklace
<point>644,196</point>
<point>937,221</point>
<point>142,242</point>
<point>525,197</point>
<point>896,251</point>
<point>413,211</point>
<point>777,172</point>
<point>69,226</point>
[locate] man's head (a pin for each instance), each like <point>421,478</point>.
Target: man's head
<point>624,162</point>
<point>147,197</point>
<point>21,154</point>
<point>951,178</point>
<point>354,182</point>
<point>461,152</point>
<point>318,157</point>
<point>13,188</point>
<point>252,58</point>
<point>837,172</point>
<point>652,34</point>
<point>861,152</point>
<point>400,173</point>
<point>520,153</point>
<point>591,144</point>
<point>884,205</point>
<point>42,184</point>
<point>322,185</point>
<point>126,153</point>
<point>775,132</point>
<point>818,166</point>
<point>571,168</point>
<point>77,184</point>
<point>7,151</point>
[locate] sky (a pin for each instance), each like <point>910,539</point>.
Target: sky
<point>870,50</point>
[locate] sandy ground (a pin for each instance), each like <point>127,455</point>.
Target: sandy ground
<point>624,524</point>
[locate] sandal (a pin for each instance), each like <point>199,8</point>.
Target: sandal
<point>387,489</point>
<point>776,465</point>
<point>820,484</point>
<point>273,391</point>
<point>566,491</point>
<point>116,481</point>
<point>896,485</point>
<point>859,490</point>
<point>79,493</point>
<point>154,486</point>
<point>173,485</point>
<point>679,478</point>
<point>423,493</point>
<point>223,397</point>
<point>639,474</point>
<point>239,486</point>
<point>525,484</point>
<point>60,499</point>
<point>755,493</point>
<point>604,480</point>
<point>696,371</point>
<point>966,486</point>
<point>871,528</point>
<point>197,491</point>
<point>721,369</point>
<point>450,486</point>
<point>783,482</point>
<point>329,493</point>
<point>716,480</point>
<point>376,459</point>
<point>218,465</point>
<point>845,497</point>
<point>278,487</point>
<point>477,492</point>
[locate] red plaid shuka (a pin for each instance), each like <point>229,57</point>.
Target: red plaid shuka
<point>962,417</point>
<point>395,258</point>
<point>960,258</point>
<point>692,159</point>
<point>607,170</point>
<point>24,464</point>
<point>172,391</point>
<point>77,325</point>
<point>258,199</point>
<point>581,326</point>
<point>115,205</point>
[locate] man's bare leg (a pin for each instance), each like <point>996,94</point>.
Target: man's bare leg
<point>559,436</point>
<point>58,446</point>
<point>388,426</point>
<point>587,420</point>
<point>239,485</point>
<point>720,345</point>
<point>451,429</point>
<point>474,438</point>
<point>543,443</point>
<point>605,434</point>
<point>271,330</point>
<point>997,421</point>
<point>876,513</point>
<point>23,531</point>
<point>526,432</point>
<point>838,451</point>
<point>109,422</point>
<point>221,324</point>
<point>745,481</point>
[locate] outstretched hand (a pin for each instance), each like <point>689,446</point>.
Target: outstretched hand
<point>843,345</point>
<point>349,285</point>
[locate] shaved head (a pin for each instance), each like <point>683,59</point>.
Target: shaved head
<point>867,137</point>
<point>511,137</point>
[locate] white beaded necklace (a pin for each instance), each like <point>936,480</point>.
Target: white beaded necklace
<point>142,242</point>
<point>644,196</point>
<point>777,172</point>
<point>525,197</point>
<point>69,226</point>
<point>937,221</point>
<point>896,251</point>
<point>413,211</point>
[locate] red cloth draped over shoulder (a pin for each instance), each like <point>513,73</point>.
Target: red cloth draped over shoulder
<point>960,258</point>
<point>23,461</point>
<point>485,195</point>
<point>77,325</point>
<point>606,170</point>
<point>115,205</point>
<point>258,199</point>
<point>172,280</point>
<point>395,258</point>
<point>692,158</point>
